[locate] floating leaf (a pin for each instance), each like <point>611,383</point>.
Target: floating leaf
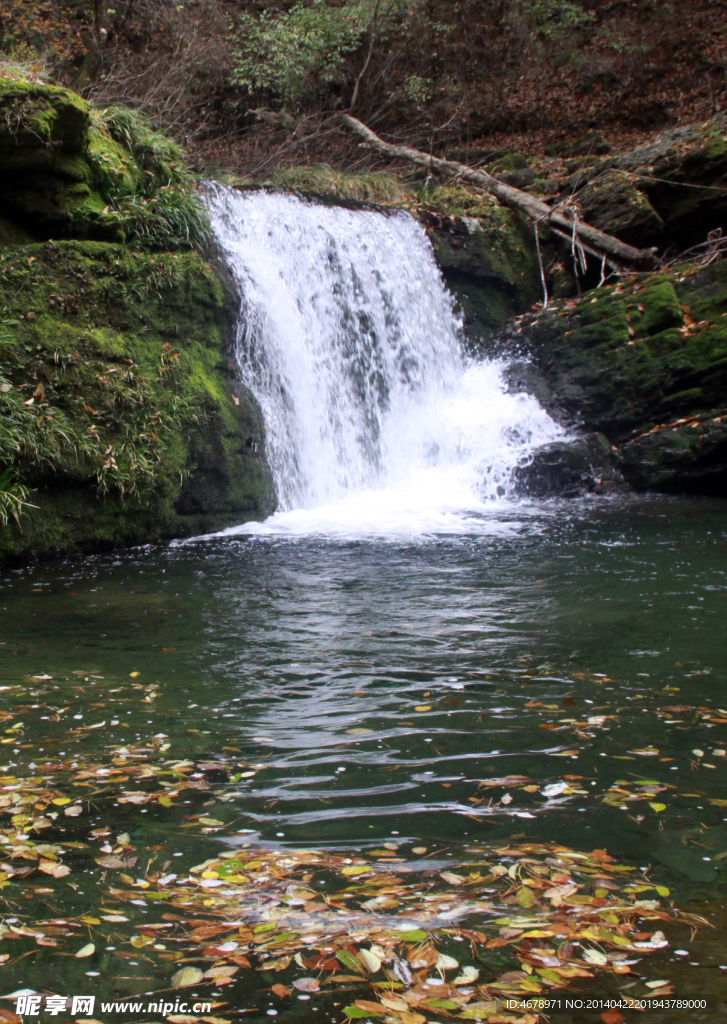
<point>468,976</point>
<point>307,984</point>
<point>88,950</point>
<point>187,976</point>
<point>595,956</point>
<point>370,961</point>
<point>111,862</point>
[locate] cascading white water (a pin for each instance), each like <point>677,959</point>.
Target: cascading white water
<point>375,420</point>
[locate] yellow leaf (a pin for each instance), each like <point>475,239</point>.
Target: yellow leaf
<point>186,977</point>
<point>134,675</point>
<point>657,807</point>
<point>165,801</point>
<point>88,950</point>
<point>423,707</point>
<point>61,801</point>
<point>87,919</point>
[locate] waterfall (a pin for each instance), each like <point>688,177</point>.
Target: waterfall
<point>375,420</point>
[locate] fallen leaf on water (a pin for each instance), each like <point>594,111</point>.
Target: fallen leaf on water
<point>468,976</point>
<point>187,976</point>
<point>110,862</point>
<point>370,961</point>
<point>307,984</point>
<point>594,956</point>
<point>88,950</point>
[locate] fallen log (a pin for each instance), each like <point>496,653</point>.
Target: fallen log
<point>562,220</point>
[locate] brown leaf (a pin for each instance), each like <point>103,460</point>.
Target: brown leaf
<point>376,1008</point>
<point>110,862</point>
<point>281,991</point>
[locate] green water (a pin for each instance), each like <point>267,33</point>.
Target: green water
<point>466,659</point>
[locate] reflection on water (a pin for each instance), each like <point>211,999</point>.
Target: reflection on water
<point>380,686</point>
<point>379,683</point>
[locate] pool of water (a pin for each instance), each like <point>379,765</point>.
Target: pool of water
<point>381,688</point>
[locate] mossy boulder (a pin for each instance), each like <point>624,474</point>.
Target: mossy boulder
<point>68,170</point>
<point>683,173</point>
<point>46,183</point>
<point>643,362</point>
<point>127,355</point>
<point>612,203</point>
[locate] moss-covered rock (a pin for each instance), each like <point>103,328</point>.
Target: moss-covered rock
<point>645,363</point>
<point>68,170</point>
<point>683,173</point>
<point>488,259</point>
<point>612,203</point>
<point>136,428</point>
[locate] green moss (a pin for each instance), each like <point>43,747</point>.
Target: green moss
<point>127,350</point>
<point>114,170</point>
<point>70,171</point>
<point>629,358</point>
<point>38,113</point>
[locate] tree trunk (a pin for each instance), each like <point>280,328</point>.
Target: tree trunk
<point>594,240</point>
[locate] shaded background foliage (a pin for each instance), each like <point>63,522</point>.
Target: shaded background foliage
<point>251,83</point>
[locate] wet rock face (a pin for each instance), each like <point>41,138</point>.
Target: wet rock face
<point>489,263</point>
<point>686,458</point>
<point>643,362</point>
<point>132,349</point>
<point>570,468</point>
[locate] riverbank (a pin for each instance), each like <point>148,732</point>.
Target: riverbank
<point>124,419</point>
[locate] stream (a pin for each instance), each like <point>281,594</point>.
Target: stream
<point>405,660</point>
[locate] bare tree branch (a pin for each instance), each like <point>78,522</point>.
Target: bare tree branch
<point>566,220</point>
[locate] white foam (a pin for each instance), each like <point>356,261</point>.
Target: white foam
<point>376,423</point>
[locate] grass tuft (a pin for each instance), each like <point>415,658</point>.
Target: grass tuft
<point>368,186</point>
<point>153,151</point>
